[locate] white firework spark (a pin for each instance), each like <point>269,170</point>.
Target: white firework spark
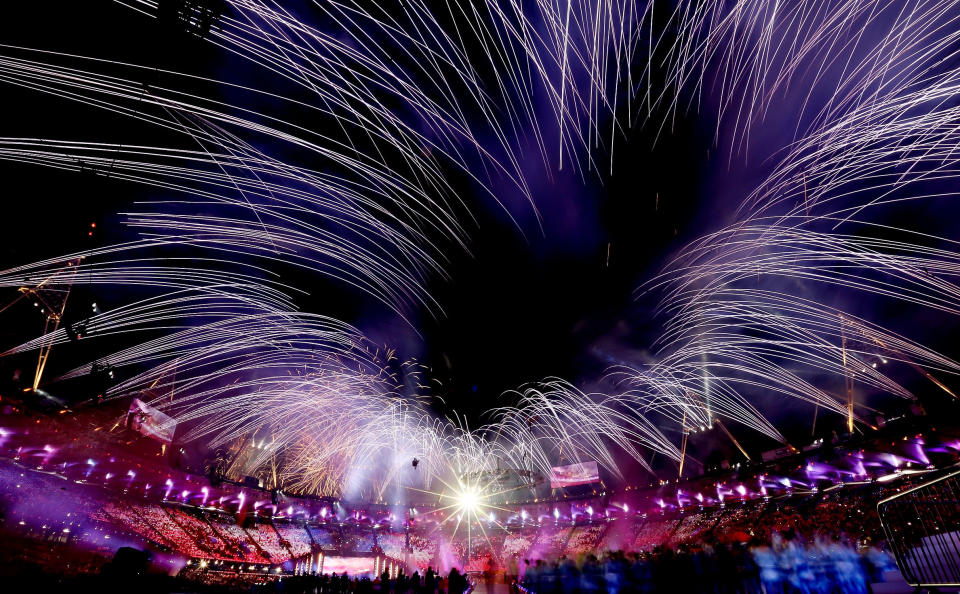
<point>412,93</point>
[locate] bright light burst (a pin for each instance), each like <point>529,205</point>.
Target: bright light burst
<point>468,505</point>
<point>469,500</point>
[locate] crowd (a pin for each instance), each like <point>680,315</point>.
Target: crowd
<point>663,552</point>
<point>202,534</point>
<point>670,541</point>
<point>517,543</point>
<point>295,538</point>
<point>782,566</point>
<point>265,537</point>
<point>359,541</point>
<point>659,545</point>
<point>327,540</point>
<point>584,539</point>
<point>422,552</point>
<point>551,541</point>
<point>430,582</point>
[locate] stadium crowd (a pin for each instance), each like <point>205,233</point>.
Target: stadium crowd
<point>430,582</point>
<point>784,565</point>
<point>811,542</point>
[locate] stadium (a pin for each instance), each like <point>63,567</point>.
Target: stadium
<point>480,296</point>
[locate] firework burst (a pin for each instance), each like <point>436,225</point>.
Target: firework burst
<point>413,100</point>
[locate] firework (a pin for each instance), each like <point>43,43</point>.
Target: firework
<point>411,97</point>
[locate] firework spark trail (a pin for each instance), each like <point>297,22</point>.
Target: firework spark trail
<point>414,91</point>
<point>469,73</point>
<point>351,79</point>
<point>233,340</point>
<point>672,391</point>
<point>270,189</point>
<point>705,337</point>
<point>750,55</point>
<point>555,418</point>
<point>729,325</point>
<point>886,135</point>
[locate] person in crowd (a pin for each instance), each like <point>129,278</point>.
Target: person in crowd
<point>785,565</point>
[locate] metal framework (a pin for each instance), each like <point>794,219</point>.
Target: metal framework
<point>922,526</point>
<point>50,296</point>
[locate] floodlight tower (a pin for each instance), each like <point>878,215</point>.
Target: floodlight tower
<point>50,297</point>
<point>847,376</point>
<point>683,448</point>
